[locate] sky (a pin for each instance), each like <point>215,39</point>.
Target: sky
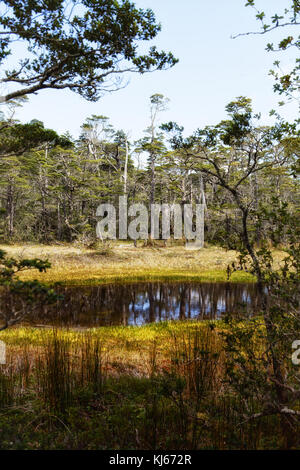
<point>213,69</point>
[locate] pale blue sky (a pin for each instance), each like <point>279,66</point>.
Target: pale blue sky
<point>213,69</point>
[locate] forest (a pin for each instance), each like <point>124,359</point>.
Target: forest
<point>51,185</point>
<point>122,344</point>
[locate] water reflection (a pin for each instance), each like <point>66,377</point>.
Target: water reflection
<point>137,304</point>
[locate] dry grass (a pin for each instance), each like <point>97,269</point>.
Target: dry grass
<point>123,262</point>
<point>129,348</point>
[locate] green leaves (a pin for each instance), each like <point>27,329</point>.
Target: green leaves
<point>18,138</point>
<point>78,45</point>
<point>30,293</point>
<point>285,83</point>
<point>286,42</point>
<point>261,15</point>
<point>9,267</point>
<point>276,18</point>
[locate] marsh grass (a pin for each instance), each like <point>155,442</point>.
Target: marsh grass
<point>54,375</point>
<point>123,263</point>
<point>160,386</point>
<point>7,386</point>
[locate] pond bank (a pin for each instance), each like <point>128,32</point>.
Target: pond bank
<point>72,265</point>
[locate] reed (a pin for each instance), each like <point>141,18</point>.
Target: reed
<point>160,386</point>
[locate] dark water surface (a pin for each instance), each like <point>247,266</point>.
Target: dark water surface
<point>137,304</point>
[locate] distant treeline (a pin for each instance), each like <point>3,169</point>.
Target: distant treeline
<point>50,185</point>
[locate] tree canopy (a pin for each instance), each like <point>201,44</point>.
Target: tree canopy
<point>288,82</point>
<point>85,46</point>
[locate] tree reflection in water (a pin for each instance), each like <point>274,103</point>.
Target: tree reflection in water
<point>137,304</point>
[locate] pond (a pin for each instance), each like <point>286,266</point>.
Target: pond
<point>141,303</point>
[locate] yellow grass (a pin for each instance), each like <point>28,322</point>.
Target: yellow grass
<point>74,265</point>
<point>128,348</point>
<point>123,262</point>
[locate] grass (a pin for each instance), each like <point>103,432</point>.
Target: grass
<point>159,386</point>
<point>127,345</point>
<point>73,265</point>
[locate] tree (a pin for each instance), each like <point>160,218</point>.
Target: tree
<point>17,138</point>
<point>153,144</point>
<point>85,46</point>
<point>28,295</point>
<point>285,83</point>
<point>233,154</point>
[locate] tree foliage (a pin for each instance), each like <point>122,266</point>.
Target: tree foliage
<point>84,46</point>
<point>234,155</point>
<point>17,138</point>
<point>288,19</point>
<point>29,295</point>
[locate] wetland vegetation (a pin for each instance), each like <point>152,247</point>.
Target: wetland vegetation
<point>114,341</point>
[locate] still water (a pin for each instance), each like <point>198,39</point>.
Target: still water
<point>137,304</point>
